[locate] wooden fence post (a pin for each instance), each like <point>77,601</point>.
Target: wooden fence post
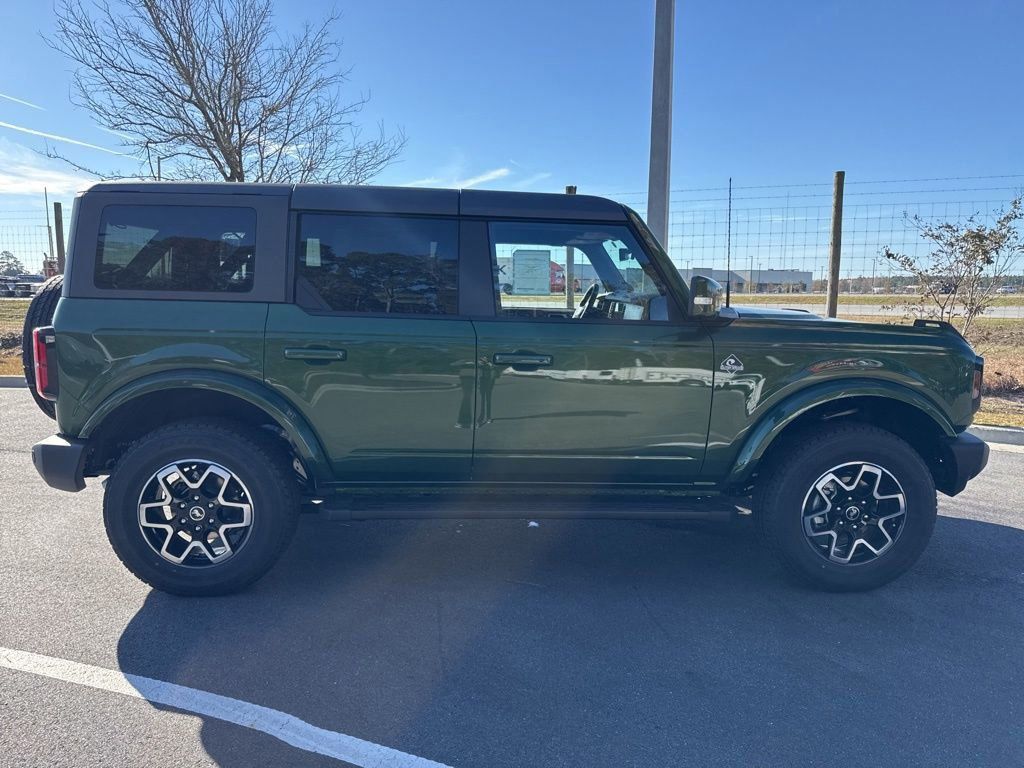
<point>835,245</point>
<point>58,224</point>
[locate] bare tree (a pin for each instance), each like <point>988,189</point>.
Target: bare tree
<point>967,265</point>
<point>209,89</point>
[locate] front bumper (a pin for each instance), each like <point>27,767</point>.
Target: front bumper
<point>60,461</point>
<point>963,457</point>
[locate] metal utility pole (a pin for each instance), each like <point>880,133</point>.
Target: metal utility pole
<point>836,245</point>
<point>661,120</point>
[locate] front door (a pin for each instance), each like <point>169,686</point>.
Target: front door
<point>609,387</point>
<point>373,352</point>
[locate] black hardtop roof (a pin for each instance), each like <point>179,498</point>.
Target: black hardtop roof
<point>408,200</point>
<point>189,188</point>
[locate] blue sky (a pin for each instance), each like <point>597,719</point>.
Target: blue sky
<point>535,95</point>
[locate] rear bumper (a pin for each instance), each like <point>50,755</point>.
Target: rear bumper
<point>963,458</point>
<point>60,461</point>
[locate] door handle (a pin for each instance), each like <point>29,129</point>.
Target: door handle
<point>309,353</point>
<point>521,359</point>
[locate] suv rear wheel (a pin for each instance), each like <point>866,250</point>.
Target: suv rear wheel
<point>200,509</point>
<point>849,509</point>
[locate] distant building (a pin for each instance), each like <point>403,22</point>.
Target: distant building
<point>756,281</point>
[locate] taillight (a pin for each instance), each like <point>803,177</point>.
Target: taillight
<point>979,375</point>
<point>43,341</point>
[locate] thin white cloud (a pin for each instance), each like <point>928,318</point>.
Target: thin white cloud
<point>115,133</point>
<point>24,172</point>
<point>429,181</point>
<point>483,178</point>
<point>55,137</point>
<point>22,101</point>
<point>529,181</point>
<point>453,181</point>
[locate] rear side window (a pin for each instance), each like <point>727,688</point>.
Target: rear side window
<point>378,264</point>
<point>176,248</point>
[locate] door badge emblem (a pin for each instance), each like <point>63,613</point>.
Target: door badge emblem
<point>731,364</point>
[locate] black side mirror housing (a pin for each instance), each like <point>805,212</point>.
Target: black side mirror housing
<point>705,296</point>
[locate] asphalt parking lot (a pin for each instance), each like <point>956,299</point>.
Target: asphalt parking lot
<point>493,643</point>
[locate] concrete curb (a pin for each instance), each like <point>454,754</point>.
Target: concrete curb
<point>12,381</point>
<point>1009,435</point>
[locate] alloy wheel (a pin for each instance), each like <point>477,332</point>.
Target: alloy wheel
<point>854,513</point>
<point>195,513</point>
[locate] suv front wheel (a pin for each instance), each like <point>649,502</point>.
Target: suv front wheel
<point>848,509</point>
<point>200,509</point>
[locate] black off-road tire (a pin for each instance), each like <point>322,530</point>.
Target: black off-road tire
<point>261,465</point>
<point>790,474</point>
<point>40,313</point>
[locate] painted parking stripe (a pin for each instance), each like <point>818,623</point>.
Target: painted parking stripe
<point>280,725</point>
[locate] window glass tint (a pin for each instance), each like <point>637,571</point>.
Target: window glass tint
<point>385,264</point>
<point>545,269</point>
<point>176,248</point>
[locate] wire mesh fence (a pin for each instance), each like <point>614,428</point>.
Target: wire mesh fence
<point>775,239</point>
<point>26,243</point>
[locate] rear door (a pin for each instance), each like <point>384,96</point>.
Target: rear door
<point>373,351</point>
<point>615,391</point>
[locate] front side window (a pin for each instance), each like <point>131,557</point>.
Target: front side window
<point>379,264</point>
<point>179,248</point>
<point>571,270</point>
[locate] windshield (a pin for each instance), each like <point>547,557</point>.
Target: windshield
<point>658,256</point>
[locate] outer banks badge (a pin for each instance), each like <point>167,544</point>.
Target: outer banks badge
<point>731,364</point>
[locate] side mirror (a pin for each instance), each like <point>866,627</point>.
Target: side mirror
<point>705,296</point>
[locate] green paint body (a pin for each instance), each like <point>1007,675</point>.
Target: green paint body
<point>421,400</point>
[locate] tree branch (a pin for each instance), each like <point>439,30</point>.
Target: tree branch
<point>208,84</point>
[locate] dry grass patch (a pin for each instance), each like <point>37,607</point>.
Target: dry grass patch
<point>1001,412</point>
<point>12,315</point>
<point>1001,343</point>
<point>10,365</point>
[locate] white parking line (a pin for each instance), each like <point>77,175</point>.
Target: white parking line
<point>280,725</point>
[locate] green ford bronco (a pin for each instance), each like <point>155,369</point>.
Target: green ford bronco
<point>227,355</point>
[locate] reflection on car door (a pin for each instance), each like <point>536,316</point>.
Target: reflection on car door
<point>573,401</point>
<point>620,394</point>
<point>391,398</point>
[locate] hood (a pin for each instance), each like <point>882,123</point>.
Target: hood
<point>774,313</point>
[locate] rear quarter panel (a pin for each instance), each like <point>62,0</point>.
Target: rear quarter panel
<point>103,345</point>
